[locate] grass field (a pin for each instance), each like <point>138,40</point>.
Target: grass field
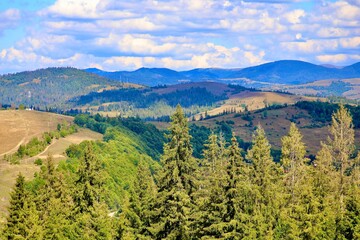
<point>254,101</point>
<point>17,127</point>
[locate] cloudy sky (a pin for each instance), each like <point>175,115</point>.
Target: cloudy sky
<point>179,34</point>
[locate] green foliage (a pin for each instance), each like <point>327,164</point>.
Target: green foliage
<point>264,184</point>
<point>199,136</point>
<point>21,107</point>
<point>15,227</point>
<point>51,87</point>
<point>35,146</point>
<point>224,196</point>
<point>38,162</point>
<point>176,183</point>
<point>150,139</point>
<point>135,217</point>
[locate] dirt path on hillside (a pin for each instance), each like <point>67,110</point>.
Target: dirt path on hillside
<point>31,159</point>
<point>14,149</point>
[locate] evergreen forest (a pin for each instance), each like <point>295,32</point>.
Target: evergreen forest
<point>113,189</point>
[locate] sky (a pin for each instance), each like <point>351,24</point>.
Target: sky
<point>179,34</point>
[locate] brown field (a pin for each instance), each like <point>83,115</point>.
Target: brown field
<point>160,125</point>
<point>276,124</point>
<point>17,127</point>
<point>254,101</point>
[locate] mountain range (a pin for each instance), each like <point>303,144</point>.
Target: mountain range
<point>279,72</point>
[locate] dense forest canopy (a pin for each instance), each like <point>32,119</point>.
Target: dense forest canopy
<point>51,87</point>
<point>113,190</point>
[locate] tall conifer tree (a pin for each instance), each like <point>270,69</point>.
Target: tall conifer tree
<point>264,176</point>
<point>341,146</point>
<point>15,227</point>
<point>298,208</point>
<point>136,216</point>
<point>91,217</point>
<point>176,183</point>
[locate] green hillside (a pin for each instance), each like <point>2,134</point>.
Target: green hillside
<point>51,87</point>
<point>112,190</point>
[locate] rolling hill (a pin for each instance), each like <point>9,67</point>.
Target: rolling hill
<point>280,72</point>
<point>18,128</point>
<point>312,118</point>
<point>348,88</point>
<point>51,87</point>
<point>199,100</point>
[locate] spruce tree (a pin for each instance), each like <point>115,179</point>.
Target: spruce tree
<point>341,146</point>
<point>323,187</point>
<point>235,178</point>
<point>293,159</point>
<point>136,215</point>
<point>89,182</point>
<point>264,176</point>
<point>211,201</point>
<point>16,222</point>
<point>176,183</point>
<point>91,213</point>
<point>352,214</point>
<point>298,199</point>
<point>54,203</point>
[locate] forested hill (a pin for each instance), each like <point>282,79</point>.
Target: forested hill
<point>113,190</point>
<point>51,87</point>
<point>282,72</point>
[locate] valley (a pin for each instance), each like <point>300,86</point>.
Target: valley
<point>179,120</point>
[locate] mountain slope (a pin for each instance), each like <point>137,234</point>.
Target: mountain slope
<point>144,76</point>
<point>283,72</point>
<point>51,86</point>
<point>287,71</point>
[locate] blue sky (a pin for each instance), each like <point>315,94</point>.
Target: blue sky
<point>179,34</point>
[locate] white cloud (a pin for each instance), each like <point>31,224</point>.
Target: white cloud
<point>113,34</point>
<point>337,58</point>
<point>331,32</point>
<point>9,18</point>
<point>72,9</point>
<point>294,17</point>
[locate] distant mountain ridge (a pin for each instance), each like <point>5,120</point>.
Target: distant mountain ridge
<point>283,72</point>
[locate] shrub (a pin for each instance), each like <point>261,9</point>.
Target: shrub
<point>38,162</point>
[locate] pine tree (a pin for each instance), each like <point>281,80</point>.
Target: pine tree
<point>298,210</point>
<point>293,159</point>
<point>323,187</point>
<point>341,146</point>
<point>15,227</point>
<point>352,215</point>
<point>91,213</point>
<point>52,205</point>
<point>176,183</point>
<point>211,199</point>
<point>235,178</point>
<point>89,182</point>
<point>136,216</point>
<point>264,176</point>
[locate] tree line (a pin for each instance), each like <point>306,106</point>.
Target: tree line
<point>230,194</point>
